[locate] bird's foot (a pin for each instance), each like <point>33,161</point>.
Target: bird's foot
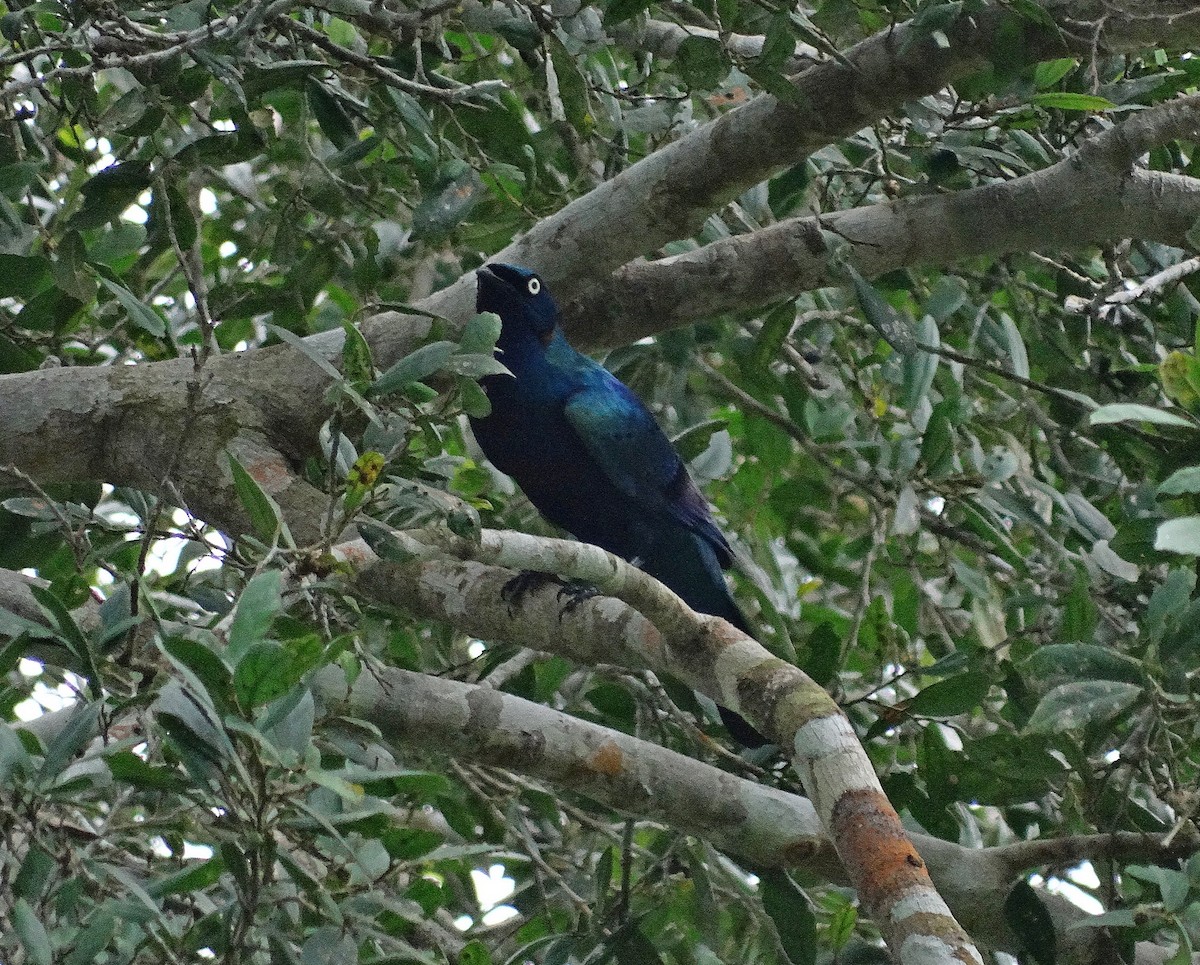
<point>520,586</point>
<point>574,592</point>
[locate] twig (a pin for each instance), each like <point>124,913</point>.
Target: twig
<point>1155,283</point>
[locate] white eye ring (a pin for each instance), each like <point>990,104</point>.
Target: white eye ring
<point>533,286</point>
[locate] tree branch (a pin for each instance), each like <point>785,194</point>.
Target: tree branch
<point>706,653</point>
<point>764,826</point>
<point>1090,198</point>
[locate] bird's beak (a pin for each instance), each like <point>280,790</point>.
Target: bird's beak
<point>489,283</point>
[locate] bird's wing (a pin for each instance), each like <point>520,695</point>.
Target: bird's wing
<point>631,449</point>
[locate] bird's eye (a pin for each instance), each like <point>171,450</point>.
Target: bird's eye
<point>533,286</point>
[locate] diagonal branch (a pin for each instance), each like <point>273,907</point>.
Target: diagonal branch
<point>670,193</point>
<point>707,653</point>
<point>764,826</point>
<point>1089,198</point>
<point>267,394</point>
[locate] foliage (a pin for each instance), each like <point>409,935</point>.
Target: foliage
<point>968,497</point>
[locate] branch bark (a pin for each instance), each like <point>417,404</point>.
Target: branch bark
<point>709,654</point>
<point>763,826</point>
<point>1090,198</point>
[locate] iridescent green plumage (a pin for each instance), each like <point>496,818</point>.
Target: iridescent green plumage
<point>591,457</point>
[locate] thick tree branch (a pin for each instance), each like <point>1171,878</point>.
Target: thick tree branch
<point>664,38</point>
<point>761,825</point>
<point>708,654</point>
<point>265,397</point>
<point>764,826</point>
<point>668,194</point>
<point>1090,198</point>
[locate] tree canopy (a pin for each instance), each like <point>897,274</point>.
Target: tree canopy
<point>913,286</point>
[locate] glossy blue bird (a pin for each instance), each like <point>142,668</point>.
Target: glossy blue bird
<point>591,457</point>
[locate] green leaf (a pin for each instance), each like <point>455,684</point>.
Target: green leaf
<point>1079,614</point>
<point>1132,412</point>
<point>263,511</point>
<point>893,327</point>
<point>475,401</point>
<point>257,608</point>
<point>1083,661</point>
<point>702,62</point>
<point>128,768</point>
<point>311,351</point>
<point>414,367</point>
<point>60,617</point>
<point>937,446</point>
<point>954,695</point>
<point>1029,920</point>
<point>841,923</point>
<point>1179,536</point>
<point>15,178</point>
<point>13,755</point>
<point>474,953</point>
<point>200,665</point>
<point>476,366</point>
<point>86,947</point>
<point>269,670</point>
<point>34,875</point>
<point>1121,918</point>
<point>332,118</point>
<point>356,356</point>
<point>70,740</point>
<point>141,316</point>
<point>1018,357</point>
<point>197,877</point>
<point>1075,705</point>
<point>621,10</point>
<point>1173,885</point>
<point>792,914</point>
<point>632,947</point>
<point>1050,72</point>
<point>107,194</point>
<point>195,731</point>
<point>32,934</point>
<point>1072,102</point>
<point>480,334</point>
<point>920,367</point>
<point>572,101</point>
<point>931,20</point>
<point>778,43</point>
<point>694,440</point>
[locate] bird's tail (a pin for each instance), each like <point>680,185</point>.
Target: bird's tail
<point>690,568</point>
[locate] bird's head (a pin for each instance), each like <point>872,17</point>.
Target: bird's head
<point>520,298</point>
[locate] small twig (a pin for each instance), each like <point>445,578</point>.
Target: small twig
<point>1155,283</point>
<point>452,95</point>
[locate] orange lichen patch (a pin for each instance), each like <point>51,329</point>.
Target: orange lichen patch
<point>877,853</point>
<point>738,95</point>
<point>355,552</point>
<point>607,760</point>
<point>270,471</point>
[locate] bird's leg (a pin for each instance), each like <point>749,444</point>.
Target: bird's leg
<point>524,583</point>
<point>575,592</point>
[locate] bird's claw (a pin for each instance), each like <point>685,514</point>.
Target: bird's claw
<point>515,590</point>
<point>575,592</point>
